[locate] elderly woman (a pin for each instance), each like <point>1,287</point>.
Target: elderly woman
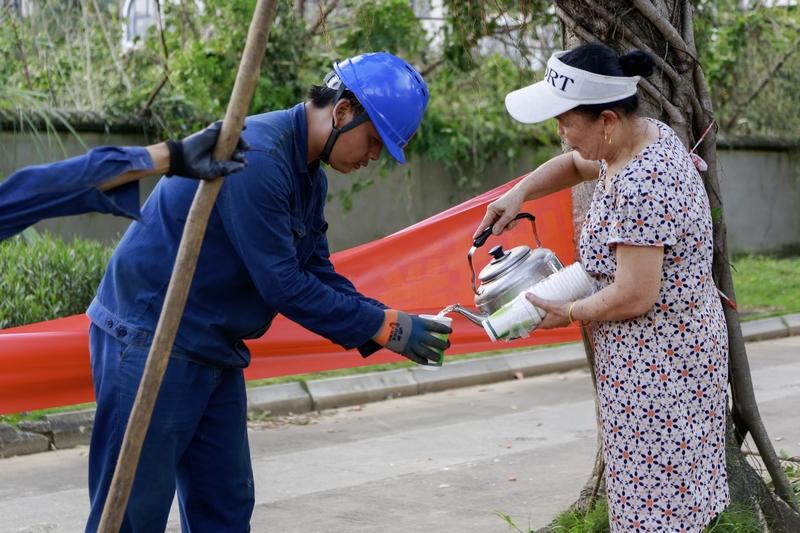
<point>658,330</point>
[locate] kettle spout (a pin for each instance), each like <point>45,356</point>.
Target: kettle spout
<point>472,316</point>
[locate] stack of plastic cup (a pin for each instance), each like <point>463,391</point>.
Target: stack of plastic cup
<point>570,283</point>
<point>519,317</point>
<point>447,321</point>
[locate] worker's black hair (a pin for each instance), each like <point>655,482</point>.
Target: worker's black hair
<point>602,59</point>
<point>322,96</point>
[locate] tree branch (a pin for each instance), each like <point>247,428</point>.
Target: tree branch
<point>669,32</point>
<point>594,485</point>
<point>738,108</point>
<point>636,42</point>
<point>576,28</point>
<point>87,55</point>
<point>111,48</point>
<point>323,14</point>
<point>677,120</point>
<point>748,487</point>
<point>795,459</point>
<point>153,94</point>
<point>739,376</point>
<point>160,24</point>
<point>187,20</point>
<point>165,78</point>
<point>21,50</point>
<point>433,66</point>
<point>688,28</point>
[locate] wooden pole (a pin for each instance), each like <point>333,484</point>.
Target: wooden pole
<point>183,271</point>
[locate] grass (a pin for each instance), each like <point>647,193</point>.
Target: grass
<point>767,285</point>
<point>791,465</point>
<point>734,519</point>
<point>15,418</point>
<point>594,521</point>
<point>793,472</point>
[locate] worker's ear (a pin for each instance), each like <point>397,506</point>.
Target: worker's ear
<point>342,112</point>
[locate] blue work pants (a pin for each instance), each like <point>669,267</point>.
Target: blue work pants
<point>197,440</point>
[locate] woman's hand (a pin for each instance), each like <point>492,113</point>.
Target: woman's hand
<point>557,311</point>
<point>561,172</point>
<point>500,213</point>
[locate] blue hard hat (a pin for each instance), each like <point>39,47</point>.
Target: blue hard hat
<point>392,92</point>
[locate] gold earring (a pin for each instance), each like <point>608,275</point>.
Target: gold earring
<point>609,139</point>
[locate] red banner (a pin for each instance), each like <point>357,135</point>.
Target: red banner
<point>420,269</point>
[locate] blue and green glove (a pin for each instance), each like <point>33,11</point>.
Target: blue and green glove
<point>411,336</point>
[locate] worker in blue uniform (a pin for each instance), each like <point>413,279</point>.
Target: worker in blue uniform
<point>106,179</point>
<point>265,252</point>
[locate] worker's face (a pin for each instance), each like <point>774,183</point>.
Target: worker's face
<point>354,148</point>
<point>583,134</point>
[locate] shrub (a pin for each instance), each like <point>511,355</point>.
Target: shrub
<point>43,277</point>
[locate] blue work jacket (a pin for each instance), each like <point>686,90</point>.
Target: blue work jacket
<point>69,187</point>
<point>265,252</point>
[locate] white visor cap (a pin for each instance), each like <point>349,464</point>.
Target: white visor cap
<point>564,88</point>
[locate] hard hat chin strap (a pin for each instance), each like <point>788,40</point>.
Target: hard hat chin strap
<point>335,132</point>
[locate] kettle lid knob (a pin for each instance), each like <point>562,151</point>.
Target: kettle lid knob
<point>497,252</point>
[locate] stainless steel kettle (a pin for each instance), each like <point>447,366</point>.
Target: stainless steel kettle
<point>507,274</point>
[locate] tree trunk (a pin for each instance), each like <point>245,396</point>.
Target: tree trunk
<point>679,96</point>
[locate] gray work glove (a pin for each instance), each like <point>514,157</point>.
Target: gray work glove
<point>410,336</point>
<point>193,156</point>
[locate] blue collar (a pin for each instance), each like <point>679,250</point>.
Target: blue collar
<point>300,129</point>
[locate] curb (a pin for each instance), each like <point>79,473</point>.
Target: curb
<point>15,442</point>
<point>279,399</point>
<point>65,430</point>
<point>361,388</point>
<point>768,328</point>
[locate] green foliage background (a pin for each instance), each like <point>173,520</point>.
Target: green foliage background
<point>752,62</point>
<point>69,56</point>
<point>44,277</point>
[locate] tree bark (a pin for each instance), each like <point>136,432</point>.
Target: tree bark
<point>678,95</point>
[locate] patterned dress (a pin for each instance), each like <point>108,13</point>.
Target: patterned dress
<point>661,376</point>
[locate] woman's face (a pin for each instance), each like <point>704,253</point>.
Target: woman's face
<point>354,148</point>
<point>583,134</point>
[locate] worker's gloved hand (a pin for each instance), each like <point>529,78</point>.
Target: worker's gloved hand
<point>411,336</point>
<point>193,156</point>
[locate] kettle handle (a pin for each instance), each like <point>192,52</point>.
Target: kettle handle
<point>481,239</point>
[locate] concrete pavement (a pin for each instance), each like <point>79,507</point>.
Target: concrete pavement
<point>439,462</point>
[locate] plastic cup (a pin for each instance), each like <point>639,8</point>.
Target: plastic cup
<point>447,321</point>
<point>519,317</point>
<point>514,320</point>
<point>570,283</point>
